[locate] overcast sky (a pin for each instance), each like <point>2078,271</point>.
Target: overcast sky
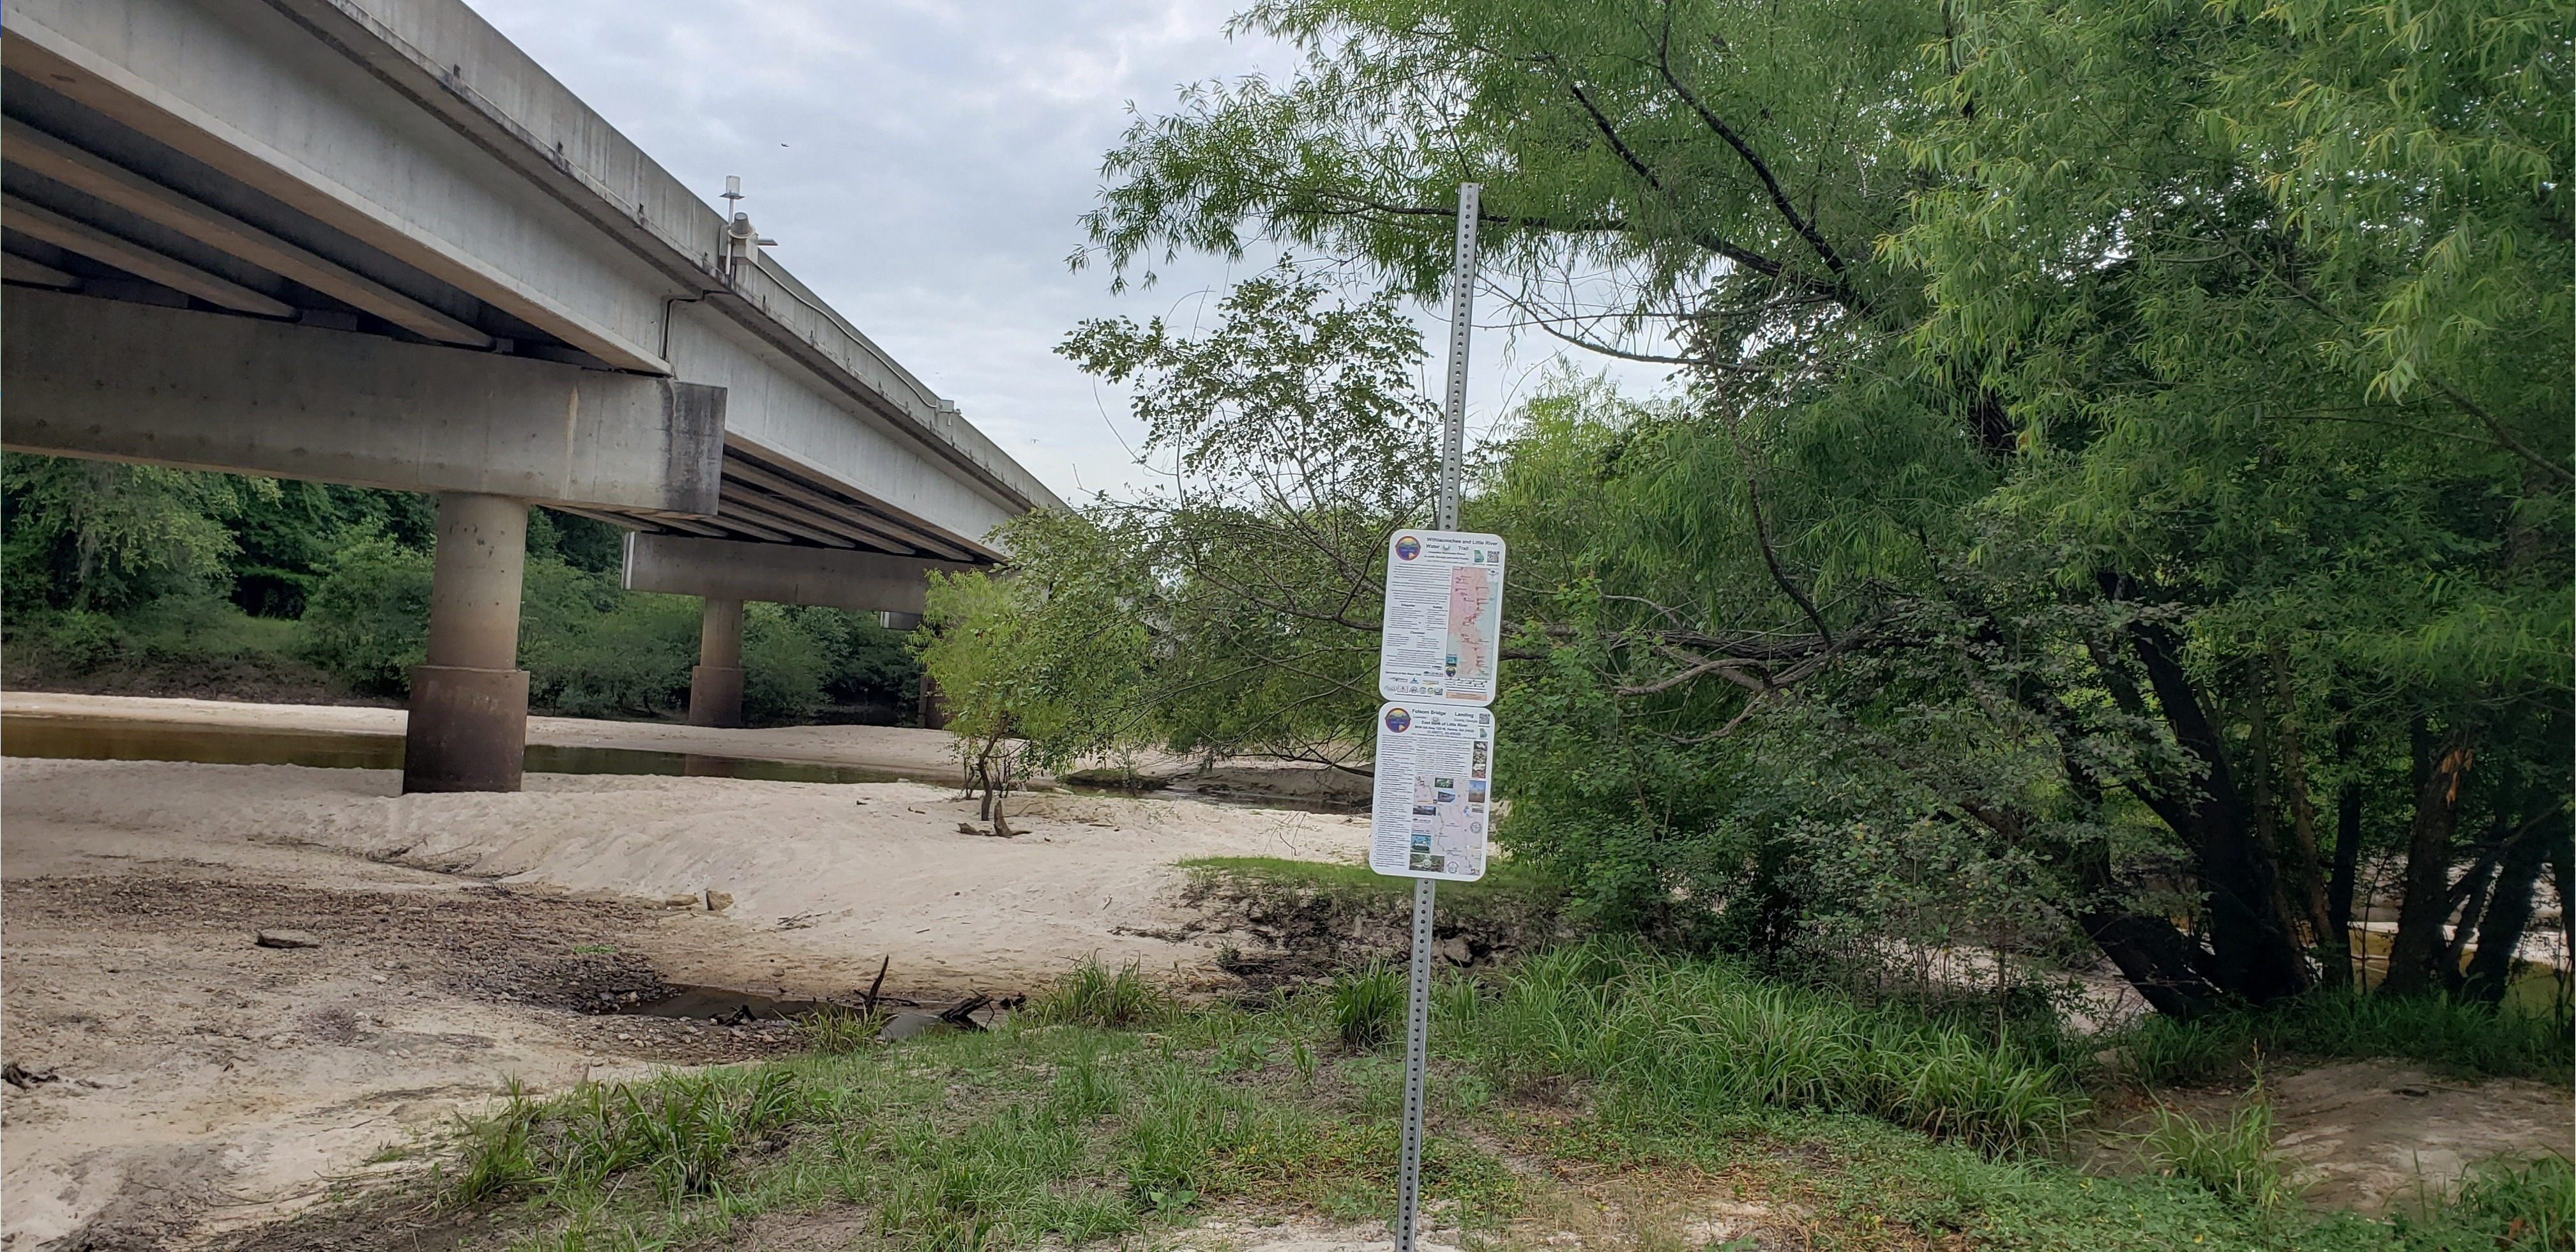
<point>922,165</point>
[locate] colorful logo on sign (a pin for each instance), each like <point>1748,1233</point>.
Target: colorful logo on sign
<point>1408,548</point>
<point>1398,721</point>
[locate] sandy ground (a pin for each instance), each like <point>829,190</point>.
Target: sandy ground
<point>207,1082</point>
<point>2374,1136</point>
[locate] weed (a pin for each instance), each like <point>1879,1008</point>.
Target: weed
<point>495,1158</point>
<point>2529,1206</point>
<point>1698,1038</point>
<point>1367,1005</point>
<point>1067,1134</point>
<point>2467,1038</point>
<point>680,1131</point>
<point>834,1030</point>
<point>2232,1159</point>
<point>1454,1002</point>
<point>1093,995</point>
<point>1084,1088</point>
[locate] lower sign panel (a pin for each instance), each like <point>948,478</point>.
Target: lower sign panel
<point>1435,768</point>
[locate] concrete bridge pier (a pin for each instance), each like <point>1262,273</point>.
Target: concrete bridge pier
<point>725,573</point>
<point>715,686</point>
<point>469,704</point>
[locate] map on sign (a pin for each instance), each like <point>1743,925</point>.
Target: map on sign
<point>1444,616</point>
<point>1435,764</point>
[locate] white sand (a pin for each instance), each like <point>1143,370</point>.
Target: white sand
<point>192,1098</point>
<point>826,878</point>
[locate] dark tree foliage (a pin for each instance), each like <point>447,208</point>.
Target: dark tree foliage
<point>108,564</point>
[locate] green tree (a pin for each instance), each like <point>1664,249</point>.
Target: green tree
<point>1041,666</point>
<point>1298,437</point>
<point>2009,454</point>
<point>104,534</point>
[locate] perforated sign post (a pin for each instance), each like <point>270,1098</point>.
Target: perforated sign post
<point>1437,658</point>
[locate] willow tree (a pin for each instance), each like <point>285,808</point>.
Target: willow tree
<point>2279,297</point>
<point>2014,517</point>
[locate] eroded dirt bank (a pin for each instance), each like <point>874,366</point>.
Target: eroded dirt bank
<point>462,942</point>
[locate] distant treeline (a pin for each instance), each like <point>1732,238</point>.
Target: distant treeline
<point>136,577</point>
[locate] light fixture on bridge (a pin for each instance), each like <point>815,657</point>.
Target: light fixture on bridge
<point>742,230</point>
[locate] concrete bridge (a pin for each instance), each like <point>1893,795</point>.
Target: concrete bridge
<point>372,242</point>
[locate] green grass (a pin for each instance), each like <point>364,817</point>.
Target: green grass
<point>1870,1185</point>
<point>1368,1005</point>
<point>833,1029</point>
<point>1092,994</point>
<point>2233,1159</point>
<point>1701,1037</point>
<point>2520,1205</point>
<point>1503,879</point>
<point>1057,1132</point>
<point>1885,1130</point>
<point>2468,1040</point>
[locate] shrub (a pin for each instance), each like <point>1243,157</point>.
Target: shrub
<point>368,622</point>
<point>79,641</point>
<point>782,668</point>
<point>594,649</point>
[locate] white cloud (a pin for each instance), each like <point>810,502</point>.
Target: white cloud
<point>922,165</point>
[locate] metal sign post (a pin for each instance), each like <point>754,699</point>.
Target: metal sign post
<point>1453,443</point>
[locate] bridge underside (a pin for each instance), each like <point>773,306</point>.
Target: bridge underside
<point>370,242</point>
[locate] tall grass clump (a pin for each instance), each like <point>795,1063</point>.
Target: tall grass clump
<point>1703,1037</point>
<point>2531,1206</point>
<point>2233,1158</point>
<point>677,1132</point>
<point>2468,1038</point>
<point>834,1030</point>
<point>1092,994</point>
<point>1367,1005</point>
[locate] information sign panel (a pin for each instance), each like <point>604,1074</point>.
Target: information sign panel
<point>1443,638</point>
<point>1435,771</point>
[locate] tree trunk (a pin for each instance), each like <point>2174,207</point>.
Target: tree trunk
<point>2168,969</point>
<point>2333,947</point>
<point>2508,914</point>
<point>2562,874</point>
<point>2468,902</point>
<point>2426,906</point>
<point>2347,867</point>
<point>2257,957</point>
<point>2155,957</point>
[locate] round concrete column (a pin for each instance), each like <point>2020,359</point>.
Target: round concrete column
<point>469,704</point>
<point>715,686</point>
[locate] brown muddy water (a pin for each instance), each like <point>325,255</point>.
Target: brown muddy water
<point>75,737</point>
<point>120,739</point>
